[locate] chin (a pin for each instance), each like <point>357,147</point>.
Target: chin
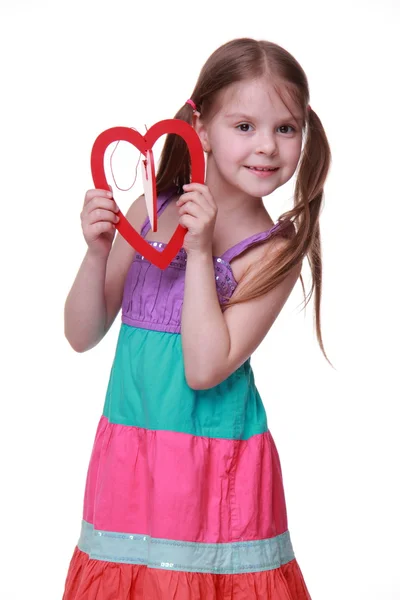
<point>261,190</point>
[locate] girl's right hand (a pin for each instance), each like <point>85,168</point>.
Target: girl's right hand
<point>98,218</point>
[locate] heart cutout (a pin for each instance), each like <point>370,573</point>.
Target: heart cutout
<point>143,144</point>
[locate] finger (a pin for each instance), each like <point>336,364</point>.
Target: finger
<point>194,186</point>
<point>103,227</point>
<point>202,189</point>
<point>99,214</point>
<point>191,208</point>
<point>196,200</point>
<point>185,198</point>
<point>195,196</point>
<point>99,202</point>
<point>187,221</point>
<point>90,194</point>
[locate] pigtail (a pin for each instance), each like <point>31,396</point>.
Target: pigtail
<point>175,168</point>
<point>308,196</point>
<point>300,225</point>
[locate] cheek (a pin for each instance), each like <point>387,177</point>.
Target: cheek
<point>224,153</point>
<point>229,151</point>
<point>225,144</point>
<point>234,150</point>
<point>293,154</point>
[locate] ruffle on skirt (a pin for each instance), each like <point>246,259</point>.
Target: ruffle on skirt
<point>90,579</point>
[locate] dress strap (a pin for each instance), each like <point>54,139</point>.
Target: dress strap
<point>281,228</point>
<point>162,203</point>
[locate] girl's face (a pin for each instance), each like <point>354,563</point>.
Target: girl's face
<point>251,130</point>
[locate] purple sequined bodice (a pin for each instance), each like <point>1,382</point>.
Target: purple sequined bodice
<point>153,297</point>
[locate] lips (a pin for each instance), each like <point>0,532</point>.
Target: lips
<point>262,172</point>
<point>262,168</point>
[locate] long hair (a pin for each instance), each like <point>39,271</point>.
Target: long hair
<point>239,60</point>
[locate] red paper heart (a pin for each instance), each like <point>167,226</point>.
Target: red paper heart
<point>144,143</point>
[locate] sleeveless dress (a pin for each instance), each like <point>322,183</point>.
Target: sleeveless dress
<point>184,497</point>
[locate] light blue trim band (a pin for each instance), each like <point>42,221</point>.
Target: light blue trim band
<point>235,557</point>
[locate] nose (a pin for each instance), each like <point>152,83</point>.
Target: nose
<point>266,144</point>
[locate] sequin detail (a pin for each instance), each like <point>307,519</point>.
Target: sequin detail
<point>225,280</point>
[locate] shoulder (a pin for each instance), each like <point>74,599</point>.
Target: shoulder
<point>249,321</point>
<point>265,252</point>
<point>137,211</point>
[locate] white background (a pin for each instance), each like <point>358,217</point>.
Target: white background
<point>70,71</point>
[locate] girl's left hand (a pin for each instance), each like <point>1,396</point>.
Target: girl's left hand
<point>198,213</point>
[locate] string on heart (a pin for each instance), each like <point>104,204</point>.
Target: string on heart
<point>137,164</point>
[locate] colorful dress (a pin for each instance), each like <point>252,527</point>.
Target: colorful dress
<point>184,497</point>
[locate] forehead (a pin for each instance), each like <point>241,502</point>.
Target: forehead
<point>257,97</point>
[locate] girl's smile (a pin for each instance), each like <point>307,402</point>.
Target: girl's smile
<point>262,172</point>
<point>251,132</point>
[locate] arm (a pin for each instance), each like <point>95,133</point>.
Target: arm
<point>85,309</point>
<point>214,343</point>
<point>95,298</point>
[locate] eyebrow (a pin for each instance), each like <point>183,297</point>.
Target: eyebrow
<point>248,118</point>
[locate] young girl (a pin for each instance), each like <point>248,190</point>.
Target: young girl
<point>184,497</point>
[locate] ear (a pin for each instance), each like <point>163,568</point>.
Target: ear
<point>201,131</point>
